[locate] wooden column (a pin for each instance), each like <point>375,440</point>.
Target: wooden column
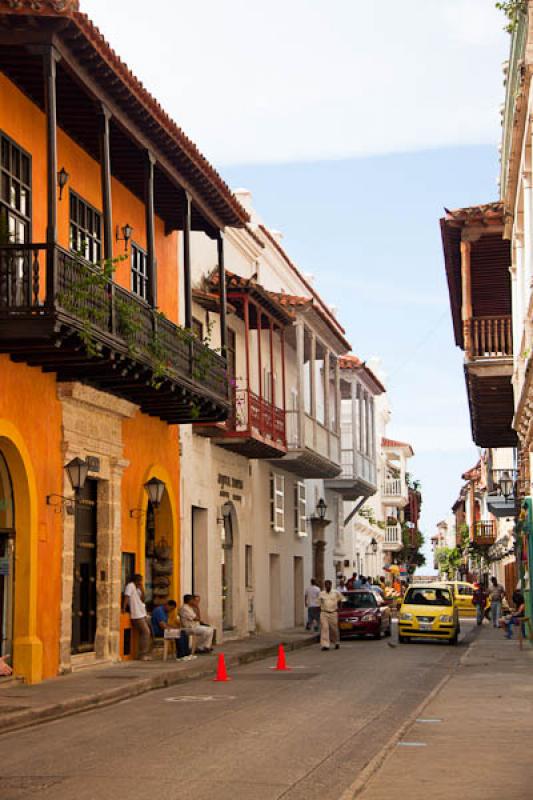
<point>247,351</point>
<point>50,96</point>
<point>149,205</point>
<point>300,363</point>
<point>105,178</point>
<point>272,378</point>
<point>312,374</point>
<point>187,282</point>
<point>222,294</point>
<point>283,387</point>
<point>353,387</point>
<point>466,287</point>
<point>327,420</point>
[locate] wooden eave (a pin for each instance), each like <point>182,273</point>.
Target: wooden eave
<point>491,259</point>
<point>87,60</point>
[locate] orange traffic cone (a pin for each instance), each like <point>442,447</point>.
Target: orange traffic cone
<point>281,666</point>
<point>222,673</point>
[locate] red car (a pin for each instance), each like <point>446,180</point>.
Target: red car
<point>364,613</point>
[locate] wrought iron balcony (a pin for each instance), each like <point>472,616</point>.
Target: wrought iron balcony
<point>254,428</point>
<point>61,314</point>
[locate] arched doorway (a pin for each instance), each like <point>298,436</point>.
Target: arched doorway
<point>229,535</point>
<point>7,560</point>
<point>159,569</point>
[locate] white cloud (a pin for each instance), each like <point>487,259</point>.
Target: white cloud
<point>257,81</point>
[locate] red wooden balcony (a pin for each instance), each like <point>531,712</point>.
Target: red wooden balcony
<point>255,428</point>
<point>485,532</point>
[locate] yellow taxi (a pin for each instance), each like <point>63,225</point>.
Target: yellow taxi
<point>428,611</point>
<point>462,594</point>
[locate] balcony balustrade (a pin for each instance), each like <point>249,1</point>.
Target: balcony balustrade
<point>255,427</point>
<point>394,487</point>
<point>313,450</point>
<point>489,338</point>
<point>63,315</point>
<point>358,476</point>
<point>393,537</point>
<point>485,532</point>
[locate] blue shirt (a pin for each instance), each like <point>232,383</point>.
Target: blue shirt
<point>159,614</point>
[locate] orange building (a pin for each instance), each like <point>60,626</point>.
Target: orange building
<point>99,192</point>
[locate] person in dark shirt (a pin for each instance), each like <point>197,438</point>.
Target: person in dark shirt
<point>160,622</point>
<point>513,619</point>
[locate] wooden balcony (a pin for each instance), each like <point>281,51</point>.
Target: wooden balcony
<point>61,314</point>
<point>395,492</point>
<point>393,538</point>
<point>488,371</point>
<point>357,479</point>
<point>313,449</point>
<point>254,428</point>
<point>489,338</point>
<point>484,533</point>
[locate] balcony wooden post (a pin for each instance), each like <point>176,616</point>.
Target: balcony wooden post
<point>187,283</point>
<point>247,352</point>
<point>466,286</point>
<point>222,294</point>
<point>300,360</point>
<point>105,180</point>
<point>327,409</point>
<point>272,381</point>
<point>50,96</point>
<point>312,381</point>
<point>149,204</point>
<point>283,387</point>
<point>259,323</point>
<point>353,387</point>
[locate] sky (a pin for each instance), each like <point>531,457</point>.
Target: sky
<point>353,123</point>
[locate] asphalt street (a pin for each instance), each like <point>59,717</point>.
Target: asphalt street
<point>298,735</point>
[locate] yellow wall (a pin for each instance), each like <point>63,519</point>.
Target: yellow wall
<point>30,409</point>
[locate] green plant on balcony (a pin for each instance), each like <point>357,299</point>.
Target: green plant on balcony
<point>513,10</point>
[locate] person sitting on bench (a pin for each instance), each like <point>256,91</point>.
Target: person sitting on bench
<point>165,617</point>
<point>515,617</point>
<point>191,623</point>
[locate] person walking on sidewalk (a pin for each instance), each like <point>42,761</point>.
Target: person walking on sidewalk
<point>134,603</point>
<point>496,594</point>
<point>479,599</point>
<point>312,604</point>
<point>330,600</point>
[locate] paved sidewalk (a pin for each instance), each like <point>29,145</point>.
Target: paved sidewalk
<point>22,706</point>
<point>472,739</point>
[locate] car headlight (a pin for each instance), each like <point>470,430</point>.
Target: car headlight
<point>368,618</point>
<point>405,616</point>
<point>446,618</point>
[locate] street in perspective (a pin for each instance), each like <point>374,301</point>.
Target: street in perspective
<point>266,394</point>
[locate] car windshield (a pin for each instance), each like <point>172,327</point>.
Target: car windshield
<point>359,600</point>
<point>428,597</point>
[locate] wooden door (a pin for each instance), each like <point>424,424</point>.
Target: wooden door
<point>84,593</point>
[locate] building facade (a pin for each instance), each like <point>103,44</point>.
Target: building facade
<point>99,192</point>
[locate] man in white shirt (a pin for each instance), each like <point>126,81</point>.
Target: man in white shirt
<point>330,599</point>
<point>191,624</point>
<point>312,605</point>
<point>134,603</point>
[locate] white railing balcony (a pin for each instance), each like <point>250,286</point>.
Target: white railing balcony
<point>394,487</point>
<point>393,536</point>
<point>313,448</point>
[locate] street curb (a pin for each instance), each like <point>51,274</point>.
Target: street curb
<point>376,762</point>
<point>82,703</point>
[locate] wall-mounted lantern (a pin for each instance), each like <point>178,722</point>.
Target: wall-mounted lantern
<point>127,233</point>
<point>77,471</point>
<point>63,178</point>
<point>155,489</point>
